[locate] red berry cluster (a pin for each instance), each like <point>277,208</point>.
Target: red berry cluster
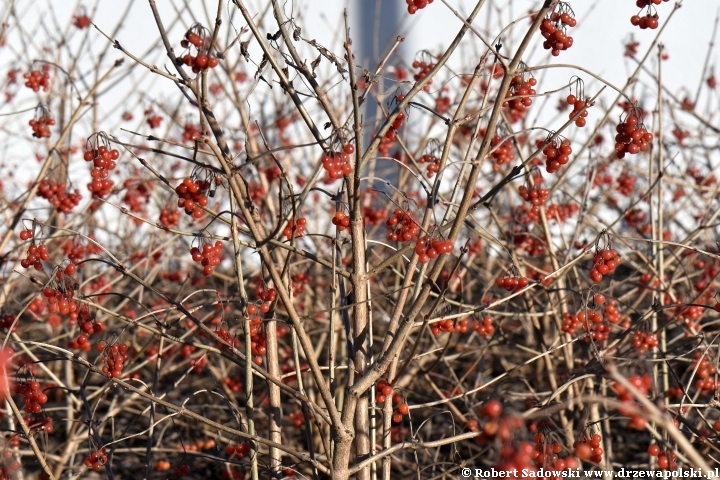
<point>557,153</point>
<point>589,449</point>
<point>423,68</point>
<point>114,356</point>
<point>402,410</point>
<point>299,281</point>
<point>512,283</point>
<point>553,29</point>
<point>89,328</point>
<point>40,126</point>
<point>415,5</point>
<point>33,397</point>
<point>76,251</point>
<point>433,164</point>
<point>517,98</point>
<point>153,120</point>
<point>26,234</point>
<point>341,221</point>
<point>445,325</point>
<point>428,248</point>
<point>193,196</point>
<point>36,254</point>
<point>200,61</point>
<point>665,459</point>
<point>266,295</point>
<point>97,459</point>
<point>169,218</point>
<point>578,104</point>
<point>496,426</point>
<point>384,390</point>
<point>55,193</point>
<point>208,257</point>
<point>535,195</point>
<point>604,263</point>
<point>258,340</point>
<point>402,226</point>
<point>643,384</point>
<point>484,327</point>
<point>37,79</point>
<point>705,372</point>
<point>631,136</point>
<point>104,161</point>
<point>239,450</point>
<point>234,384</point>
<point>181,470</point>
<point>81,21</point>
<point>297,225</point>
<point>502,152</point>
<point>190,133</point>
<point>546,454</point>
<point>644,341</point>
<point>297,419</point>
<point>337,164</point>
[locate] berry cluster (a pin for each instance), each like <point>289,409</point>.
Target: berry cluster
<point>428,248</point>
<point>512,283</point>
<point>589,449</point>
<point>553,29</point>
<point>181,470</point>
<point>557,153</point>
<point>266,295</point>
<point>208,257</point>
<point>193,196</point>
<point>169,218</point>
<point>643,384</point>
<point>423,68</point>
<point>341,221</point>
<point>517,98</point>
<point>705,372</point>
<point>535,195</point>
<point>104,161</point>
<point>258,340</point>
<point>415,5</point>
<point>337,164</point>
<point>81,21</point>
<point>632,137</point>
<point>114,356</point>
<point>546,454</point>
<point>190,133</point>
<point>89,328</point>
<point>604,263</point>
<point>665,460</point>
<point>502,152</point>
<point>40,126</point>
<point>26,234</point>
<point>578,104</point>
<point>239,450</point>
<point>433,164</point>
<point>36,254</point>
<point>297,419</point>
<point>402,226</point>
<point>299,281</point>
<point>297,225</point>
<point>33,397</point>
<point>234,384</point>
<point>37,79</point>
<point>484,327</point>
<point>200,61</point>
<point>644,341</point>
<point>55,193</point>
<point>97,459</point>
<point>445,325</point>
<point>154,120</point>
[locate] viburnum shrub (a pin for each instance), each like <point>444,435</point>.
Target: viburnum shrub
<point>300,259</point>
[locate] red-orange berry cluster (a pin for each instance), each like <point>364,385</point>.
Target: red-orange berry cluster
<point>402,410</point>
<point>114,356</point>
<point>97,459</point>
<point>665,459</point>
<point>705,372</point>
<point>208,257</point>
<point>632,137</point>
<point>193,196</point>
<point>297,225</point>
<point>501,153</point>
<point>511,283</point>
<point>578,104</point>
<point>643,384</point>
<point>402,226</point>
<point>36,254</point>
<point>26,234</point>
<point>37,79</point>
<point>535,195</point>
<point>55,193</point>
<point>88,327</point>
<point>445,325</point>
<point>589,449</point>
<point>415,5</point>
<point>40,126</point>
<point>604,263</point>
<point>182,470</point>
<point>384,390</point>
<point>198,37</point>
<point>484,327</point>
<point>239,450</point>
<point>81,21</point>
<point>433,164</point>
<point>337,164</point>
<point>644,341</point>
<point>104,161</point>
<point>428,248</point>
<point>546,455</point>
<point>169,217</point>
<point>33,397</point>
<point>557,153</point>
<point>553,28</point>
<point>341,221</point>
<point>297,419</point>
<point>423,68</point>
<point>518,97</point>
<point>234,384</point>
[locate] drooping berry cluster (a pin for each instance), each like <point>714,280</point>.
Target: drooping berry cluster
<point>632,137</point>
<point>40,125</point>
<point>415,5</point>
<point>554,27</point>
<point>169,217</point>
<point>604,263</point>
<point>96,459</point>
<point>258,340</point>
<point>402,226</point>
<point>81,20</point>
<point>239,450</point>
<point>423,68</point>
<point>433,164</point>
<point>114,356</point>
<point>704,369</point>
<point>578,104</point>
<point>518,97</point>
<point>193,195</point>
<point>199,37</point>
<point>208,257</point>
<point>546,455</point>
<point>36,254</point>
<point>55,193</point>
<point>557,153</point>
<point>88,327</point>
<point>650,19</point>
<point>297,419</point>
<point>510,283</point>
<point>337,164</point>
<point>297,225</point>
<point>644,341</point>
<point>534,194</point>
<point>485,327</point>
<point>589,449</point>
<point>26,234</point>
<point>665,459</point>
<point>501,153</point>
<point>643,384</point>
<point>428,248</point>
<point>37,79</point>
<point>33,397</point>
<point>104,161</point>
<point>341,221</point>
<point>444,325</point>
